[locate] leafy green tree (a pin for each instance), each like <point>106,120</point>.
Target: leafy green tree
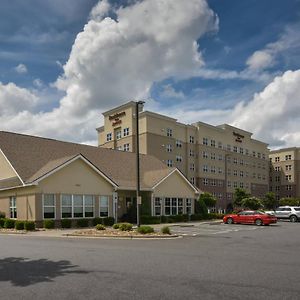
<point>239,195</point>
<point>208,199</point>
<point>289,201</point>
<point>251,203</point>
<point>200,207</point>
<point>269,201</point>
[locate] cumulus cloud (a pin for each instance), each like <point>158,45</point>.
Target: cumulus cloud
<point>21,69</point>
<point>260,60</point>
<point>117,59</point>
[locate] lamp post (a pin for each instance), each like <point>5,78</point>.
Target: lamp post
<point>138,198</point>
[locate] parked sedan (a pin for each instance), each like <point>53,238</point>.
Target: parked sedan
<point>250,217</point>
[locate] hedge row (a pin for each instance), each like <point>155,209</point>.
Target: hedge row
<point>17,224</point>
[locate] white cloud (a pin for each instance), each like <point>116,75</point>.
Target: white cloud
<point>21,69</point>
<point>260,60</point>
<point>171,93</point>
<point>100,10</point>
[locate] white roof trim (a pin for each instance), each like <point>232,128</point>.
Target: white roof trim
<point>79,156</point>
<point>176,170</point>
<point>16,187</point>
<point>12,167</point>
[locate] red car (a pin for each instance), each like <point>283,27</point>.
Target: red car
<point>250,217</point>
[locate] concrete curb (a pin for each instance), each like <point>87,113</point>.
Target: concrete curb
<point>135,237</point>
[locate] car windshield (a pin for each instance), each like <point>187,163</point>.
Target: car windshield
<point>259,213</point>
<point>297,208</point>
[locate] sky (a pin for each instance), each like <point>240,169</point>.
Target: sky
<point>64,62</point>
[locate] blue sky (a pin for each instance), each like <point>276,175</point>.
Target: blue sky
<point>36,39</point>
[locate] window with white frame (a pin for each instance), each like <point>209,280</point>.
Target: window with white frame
<point>13,207</point>
<point>108,137</point>
<point>254,175</point>
<point>169,132</point>
<point>220,183</point>
<point>66,206</point>
<point>277,159</point>
<point>126,147</point>
<point>120,148</point>
<point>229,183</point>
<point>192,167</point>
<point>174,206</point>
<point>188,206</point>
<point>103,206</point>
<point>287,167</point>
<point>235,184</point>
<point>241,150</point>
<point>241,184</point>
<point>205,141</point>
<point>241,173</point>
<point>89,203</point>
<point>228,147</point>
<point>213,182</point>
<point>213,156</point>
<point>213,169</point>
<point>220,157</point>
<point>288,177</point>
<point>259,176</point>
<point>48,206</point>
<point>205,168</point>
<point>241,162</point>
<point>220,145</point>
<point>288,187</point>
<point>192,153</point>
<point>157,206</point>
<point>180,205</point>
<point>170,163</point>
<point>192,139</point>
<point>235,161</point>
<point>118,134</point>
<point>169,148</point>
<point>204,154</point>
<point>126,131</point>
<point>235,149</point>
<point>247,152</point>
<point>178,158</point>
<point>235,172</point>
<point>205,181</point>
<point>192,180</point>
<point>220,170</point>
<point>167,206</point>
<point>228,172</point>
<point>213,143</point>
<point>178,143</point>
<point>258,155</point>
<point>77,206</point>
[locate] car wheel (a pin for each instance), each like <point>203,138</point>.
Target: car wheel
<point>258,222</point>
<point>293,219</point>
<point>229,221</point>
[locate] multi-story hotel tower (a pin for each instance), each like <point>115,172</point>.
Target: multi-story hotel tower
<point>216,159</point>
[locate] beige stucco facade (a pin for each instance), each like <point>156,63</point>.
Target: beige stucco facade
<point>285,172</point>
<point>216,159</point>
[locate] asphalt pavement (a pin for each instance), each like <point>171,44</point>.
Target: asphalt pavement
<point>211,261</point>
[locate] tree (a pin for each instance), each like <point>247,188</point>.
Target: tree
<point>269,201</point>
<point>289,201</point>
<point>251,203</point>
<point>208,199</point>
<point>200,207</point>
<point>239,195</point>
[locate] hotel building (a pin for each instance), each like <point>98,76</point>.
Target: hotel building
<point>216,159</point>
<point>285,172</point>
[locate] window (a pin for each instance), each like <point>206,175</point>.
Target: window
<point>118,134</point>
<point>254,175</point>
<point>213,156</point>
<point>220,145</point>
<point>103,207</point>
<point>259,176</point>
<point>192,167</point>
<point>220,171</point>
<point>169,148</point>
<point>228,172</point>
<point>228,148</point>
<point>126,147</point>
<point>13,207</point>
<point>234,172</point>
<point>66,206</point>
<point>119,148</point>
<point>288,157</point>
<point>192,153</point>
<point>169,163</point>
<point>253,153</point>
<point>49,206</point>
<point>108,137</point>
<point>188,206</point>
<point>192,140</point>
<point>229,183</point>
<point>228,159</point>
<point>277,188</point>
<point>205,181</point>
<point>204,154</point>
<point>205,168</point>
<point>235,149</point>
<point>178,143</point>
<point>169,132</point>
<point>213,143</point>
<point>126,131</point>
<point>241,150</point>
<point>192,180</point>
<point>220,183</point>
<point>213,169</point>
<point>213,182</point>
<point>178,158</point>
<point>258,155</point>
<point>157,206</point>
<point>174,206</point>
<point>235,161</point>
<point>263,156</point>
<point>288,167</point>
<point>220,157</point>
<point>241,174</point>
<point>235,184</point>
<point>205,141</point>
<point>288,177</point>
<point>277,159</point>
<point>288,187</point>
<point>247,152</point>
<point>277,169</point>
<point>77,206</point>
<point>241,162</point>
<point>167,206</point>
<point>277,178</point>
<point>258,165</point>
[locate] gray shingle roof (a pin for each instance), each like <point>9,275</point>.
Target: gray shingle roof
<point>33,157</point>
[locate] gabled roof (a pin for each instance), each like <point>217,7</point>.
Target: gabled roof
<point>34,157</point>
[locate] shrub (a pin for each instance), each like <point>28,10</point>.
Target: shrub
<point>19,225</point>
<point>165,230</point>
<point>2,221</point>
<point>9,223</point>
<point>145,229</point>
<point>82,223</point>
<point>198,217</point>
<point>49,224</point>
<point>116,226</point>
<point>2,215</point>
<point>97,221</point>
<point>100,227</point>
<point>108,221</point>
<point>150,220</point>
<point>66,223</point>
<point>29,225</point>
<point>125,226</point>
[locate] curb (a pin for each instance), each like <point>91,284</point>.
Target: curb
<point>149,237</point>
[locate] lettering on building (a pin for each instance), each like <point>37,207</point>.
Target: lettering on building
<point>116,118</point>
<point>238,137</point>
